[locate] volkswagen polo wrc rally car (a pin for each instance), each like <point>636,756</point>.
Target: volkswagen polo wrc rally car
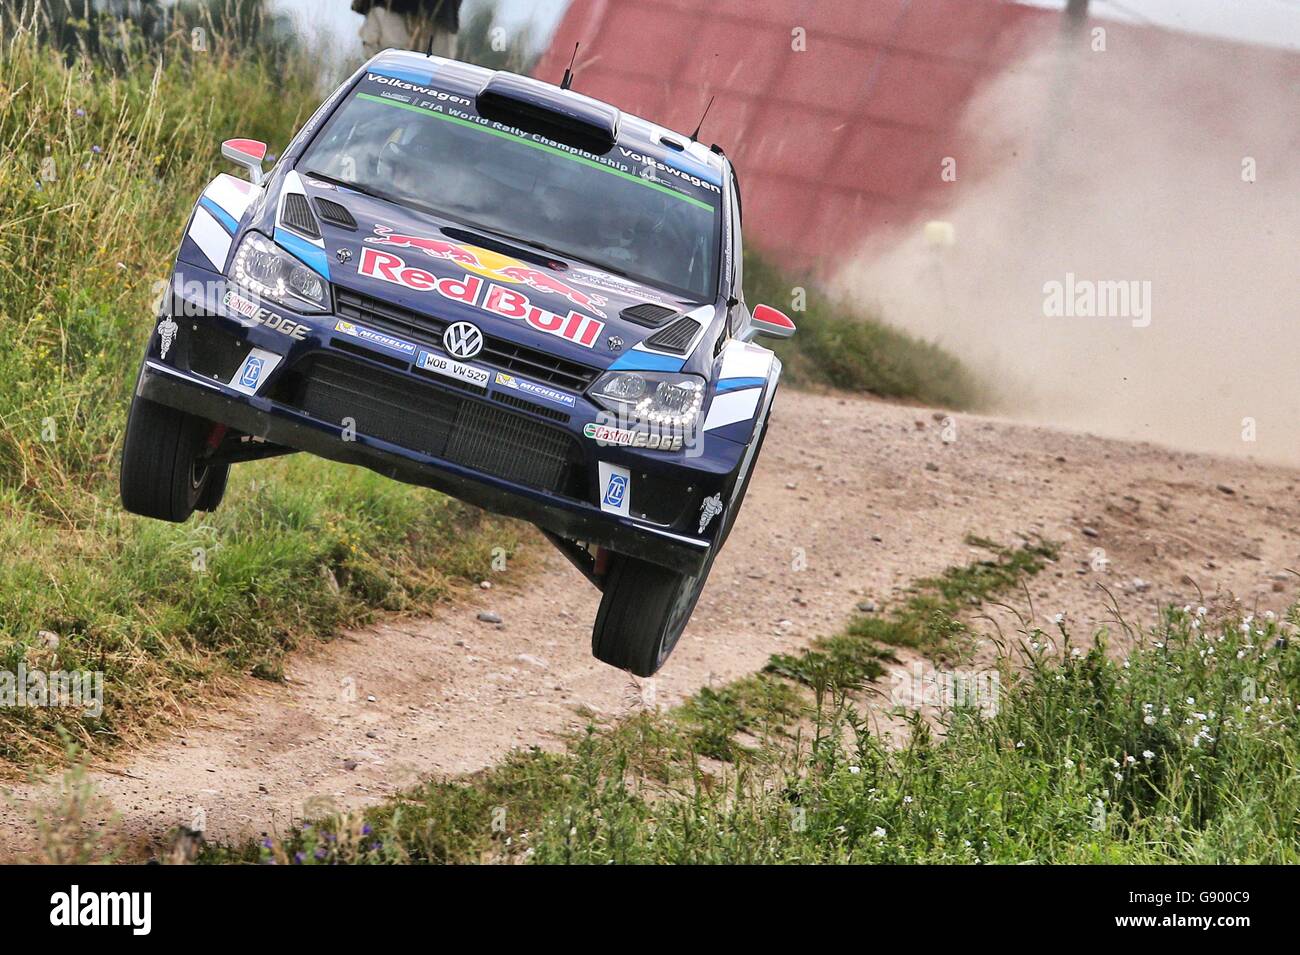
<point>488,285</point>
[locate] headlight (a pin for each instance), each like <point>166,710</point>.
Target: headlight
<point>666,400</point>
<point>271,273</point>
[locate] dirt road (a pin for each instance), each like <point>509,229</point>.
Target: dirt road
<point>852,500</point>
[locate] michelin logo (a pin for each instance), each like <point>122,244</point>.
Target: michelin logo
<point>534,389</point>
<point>710,509</point>
<point>375,338</point>
<point>167,330</point>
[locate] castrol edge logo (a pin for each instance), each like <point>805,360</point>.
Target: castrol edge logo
<point>489,296</point>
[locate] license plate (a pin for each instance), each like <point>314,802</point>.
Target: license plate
<point>450,368</point>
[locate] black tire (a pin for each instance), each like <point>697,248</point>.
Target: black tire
<point>214,489</point>
<point>645,607</point>
<point>161,474</point>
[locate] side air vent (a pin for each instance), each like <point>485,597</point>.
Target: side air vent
<point>298,215</point>
<point>676,338</point>
<point>332,211</point>
<point>648,314</point>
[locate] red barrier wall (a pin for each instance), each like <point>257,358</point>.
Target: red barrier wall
<point>831,142</point>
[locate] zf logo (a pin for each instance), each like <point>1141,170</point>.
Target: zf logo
<point>615,490</point>
<point>252,372</point>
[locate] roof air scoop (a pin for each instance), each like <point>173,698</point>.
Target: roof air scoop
<point>560,115</point>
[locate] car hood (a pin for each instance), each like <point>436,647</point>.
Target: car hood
<point>452,272</point>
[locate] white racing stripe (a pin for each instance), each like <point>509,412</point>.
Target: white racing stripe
<point>233,195</point>
<point>745,360</point>
<point>732,406</point>
<point>210,237</point>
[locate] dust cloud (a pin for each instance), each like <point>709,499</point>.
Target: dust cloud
<point>1077,168</point>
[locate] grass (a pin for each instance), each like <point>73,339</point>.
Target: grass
<point>840,346</point>
<point>98,168</point>
<point>1183,749</point>
<point>928,620</point>
<point>301,549</point>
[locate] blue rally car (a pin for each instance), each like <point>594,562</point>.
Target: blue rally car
<point>488,285</point>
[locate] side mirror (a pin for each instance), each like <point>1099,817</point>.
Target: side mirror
<point>248,153</point>
<point>767,320</point>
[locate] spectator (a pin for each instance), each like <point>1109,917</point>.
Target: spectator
<point>409,25</point>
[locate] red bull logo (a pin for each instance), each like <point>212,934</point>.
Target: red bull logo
<point>434,248</point>
<point>489,264</point>
<point>472,290</point>
<point>545,282</point>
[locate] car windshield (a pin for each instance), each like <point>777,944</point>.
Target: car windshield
<point>429,149</point>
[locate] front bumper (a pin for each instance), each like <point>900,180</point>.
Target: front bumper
<point>666,488</point>
<point>280,425</point>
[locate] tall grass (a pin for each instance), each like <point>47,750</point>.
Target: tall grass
<point>1184,748</point>
<point>840,345</point>
<point>98,169</point>
<point>100,161</point>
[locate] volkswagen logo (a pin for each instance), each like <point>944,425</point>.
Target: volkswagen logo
<point>462,340</point>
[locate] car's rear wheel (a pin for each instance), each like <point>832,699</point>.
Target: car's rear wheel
<point>645,607</point>
<point>163,474</point>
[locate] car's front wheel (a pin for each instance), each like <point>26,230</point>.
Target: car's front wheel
<point>163,472</point>
<point>644,609</point>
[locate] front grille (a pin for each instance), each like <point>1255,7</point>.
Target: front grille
<point>676,337</point>
<point>335,212</point>
<point>519,359</point>
<point>457,428</point>
<point>555,414</point>
<point>298,215</point>
<point>347,345</point>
